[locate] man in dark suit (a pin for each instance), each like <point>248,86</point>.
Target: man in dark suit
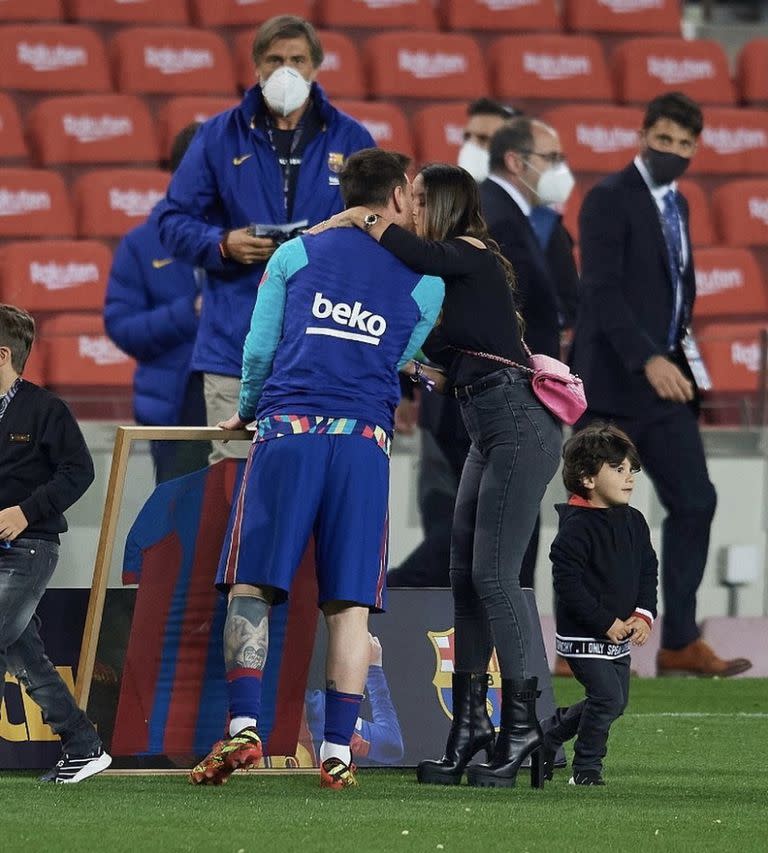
<point>638,289</point>
<point>528,172</point>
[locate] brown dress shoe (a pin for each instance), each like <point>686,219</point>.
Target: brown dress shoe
<point>697,658</point>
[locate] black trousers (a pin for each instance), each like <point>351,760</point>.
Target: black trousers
<point>671,453</point>
<point>606,684</point>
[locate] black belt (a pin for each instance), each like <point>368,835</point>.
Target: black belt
<point>502,377</point>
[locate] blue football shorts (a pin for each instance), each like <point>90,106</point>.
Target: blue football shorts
<point>335,487</point>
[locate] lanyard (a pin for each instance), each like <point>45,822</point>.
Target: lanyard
<point>286,164</point>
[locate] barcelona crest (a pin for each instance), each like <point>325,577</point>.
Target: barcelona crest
<point>335,161</point>
<point>442,642</point>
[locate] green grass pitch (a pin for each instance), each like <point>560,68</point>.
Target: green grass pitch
<point>686,771</point>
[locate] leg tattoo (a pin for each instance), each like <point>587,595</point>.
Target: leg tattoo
<point>246,633</point>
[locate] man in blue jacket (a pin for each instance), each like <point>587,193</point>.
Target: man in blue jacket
<point>151,312</point>
<point>273,160</point>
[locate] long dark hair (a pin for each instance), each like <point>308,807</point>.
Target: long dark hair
<point>453,210</point>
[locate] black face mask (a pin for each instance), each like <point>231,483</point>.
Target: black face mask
<point>664,166</point>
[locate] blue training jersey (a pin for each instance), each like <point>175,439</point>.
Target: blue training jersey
<point>336,316</point>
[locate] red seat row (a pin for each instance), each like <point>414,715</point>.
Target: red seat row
<point>394,64</point>
<point>609,16</point>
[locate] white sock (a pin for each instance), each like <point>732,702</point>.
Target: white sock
<point>237,724</point>
<point>335,750</point>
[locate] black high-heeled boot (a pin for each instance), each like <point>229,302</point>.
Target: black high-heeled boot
<point>519,736</point>
<point>564,726</point>
<point>471,731</point>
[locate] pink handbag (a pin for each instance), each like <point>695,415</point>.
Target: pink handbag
<point>552,382</point>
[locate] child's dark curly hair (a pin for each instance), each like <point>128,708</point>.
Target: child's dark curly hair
<point>585,453</point>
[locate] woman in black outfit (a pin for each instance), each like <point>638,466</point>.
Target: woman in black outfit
<point>514,454</point>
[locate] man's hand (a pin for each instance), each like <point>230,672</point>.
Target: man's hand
<point>407,416</point>
<point>375,649</point>
<point>240,246</point>
<point>641,630</point>
<point>667,380</point>
<point>235,422</point>
<point>618,631</point>
<point>13,523</point>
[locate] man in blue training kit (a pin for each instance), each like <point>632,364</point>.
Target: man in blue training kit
<point>336,317</point>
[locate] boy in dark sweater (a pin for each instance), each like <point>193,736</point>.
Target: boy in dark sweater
<point>604,570</point>
<point>45,467</point>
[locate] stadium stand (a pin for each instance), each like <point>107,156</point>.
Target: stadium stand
<point>235,13</point>
<point>134,12</point>
<point>92,129</point>
<point>630,17</point>
<point>439,132</point>
<point>549,67</point>
<point>644,67</point>
<point>734,142</point>
<point>424,65</point>
<point>597,138</point>
<point>55,275</point>
<point>373,14</point>
<point>109,202</point>
<point>741,212</point>
<point>341,74</point>
<point>729,284</point>
<point>701,225</point>
<point>34,203</point>
<point>752,72</point>
<point>12,145</point>
<point>53,58</point>
<point>532,16</point>
<point>177,113</point>
<point>171,61</point>
<point>30,10</point>
<point>386,123</point>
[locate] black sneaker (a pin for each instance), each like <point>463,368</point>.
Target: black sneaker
<point>75,768</point>
<point>586,777</point>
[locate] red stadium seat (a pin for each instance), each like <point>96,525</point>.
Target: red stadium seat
<point>172,61</point>
<point>40,58</point>
<point>623,16</point>
<point>752,71</point>
<point>550,67</point>
<point>341,74</point>
<point>135,12</point>
<point>597,138</point>
<point>234,13</point>
<point>92,129</point>
<point>110,202</point>
<point>55,275</point>
<point>12,145</point>
<point>646,67</point>
<point>30,10</point>
<point>701,227</point>
<point>373,14</point>
<point>34,203</point>
<point>424,65</point>
<point>728,284</point>
<point>486,15</point>
<point>386,123</point>
<point>177,113</point>
<point>79,354</point>
<point>732,355</point>
<point>741,212</point>
<point>734,142</point>
<point>439,132</point>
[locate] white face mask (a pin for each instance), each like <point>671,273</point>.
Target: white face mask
<point>475,160</point>
<point>555,184</point>
<point>285,90</point>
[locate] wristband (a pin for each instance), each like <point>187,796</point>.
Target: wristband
<point>419,376</point>
<point>223,247</point>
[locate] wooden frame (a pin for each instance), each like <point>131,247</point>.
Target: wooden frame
<point>124,437</point>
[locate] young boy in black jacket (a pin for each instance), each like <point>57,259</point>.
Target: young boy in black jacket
<point>45,467</point>
<point>604,570</point>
